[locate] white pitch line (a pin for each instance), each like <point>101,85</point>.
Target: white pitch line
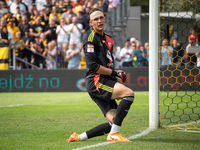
<point>12,105</point>
<point>106,143</point>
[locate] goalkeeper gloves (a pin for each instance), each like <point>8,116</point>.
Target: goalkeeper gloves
<point>120,74</point>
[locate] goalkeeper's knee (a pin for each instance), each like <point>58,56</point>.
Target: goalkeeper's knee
<point>129,98</point>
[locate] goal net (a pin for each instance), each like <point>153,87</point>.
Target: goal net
<point>179,80</point>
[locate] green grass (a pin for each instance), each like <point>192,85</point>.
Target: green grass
<point>46,119</point>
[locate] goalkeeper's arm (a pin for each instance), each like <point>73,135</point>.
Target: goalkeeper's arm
<point>106,71</point>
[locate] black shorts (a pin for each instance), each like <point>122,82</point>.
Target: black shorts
<point>100,90</point>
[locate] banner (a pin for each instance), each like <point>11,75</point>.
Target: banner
<point>64,80</point>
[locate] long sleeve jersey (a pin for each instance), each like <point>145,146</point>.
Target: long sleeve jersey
<point>98,51</point>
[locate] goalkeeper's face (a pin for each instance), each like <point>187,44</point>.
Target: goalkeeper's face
<point>98,23</point>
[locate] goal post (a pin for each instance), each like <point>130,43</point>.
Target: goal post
<point>174,85</point>
<point>153,64</point>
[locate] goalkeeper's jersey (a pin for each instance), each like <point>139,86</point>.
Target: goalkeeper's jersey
<point>98,51</point>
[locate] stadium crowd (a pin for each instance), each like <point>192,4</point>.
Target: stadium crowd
<point>56,29</point>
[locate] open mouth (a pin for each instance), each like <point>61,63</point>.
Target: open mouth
<point>100,26</point>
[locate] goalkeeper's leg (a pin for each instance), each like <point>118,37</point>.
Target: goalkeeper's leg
<point>127,95</point>
<point>96,131</point>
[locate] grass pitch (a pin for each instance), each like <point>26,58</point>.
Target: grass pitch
<point>39,121</point>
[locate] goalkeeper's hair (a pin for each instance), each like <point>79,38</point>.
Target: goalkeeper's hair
<point>95,9</point>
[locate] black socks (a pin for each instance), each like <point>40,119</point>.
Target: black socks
<point>99,130</point>
<point>123,109</point>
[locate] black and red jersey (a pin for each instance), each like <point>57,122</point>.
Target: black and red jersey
<point>98,51</point>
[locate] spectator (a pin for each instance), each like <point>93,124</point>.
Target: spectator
<point>57,22</point>
<point>62,37</point>
<point>62,33</point>
<point>43,38</point>
<point>65,48</point>
<point>44,16</point>
<point>35,15</point>
<point>4,5</point>
<point>133,46</point>
<point>75,31</point>
<point>51,54</point>
<point>28,3</point>
<point>85,23</point>
<point>74,1</point>
<point>13,29</point>
<point>113,3</point>
<point>18,15</point>
<point>24,25</point>
<point>55,12</point>
<point>4,39</point>
<point>146,47</point>
<point>77,7</point>
<point>82,64</point>
<point>67,3</point>
<point>5,35</point>
<point>90,4</point>
<point>72,56</point>
<point>37,47</point>
<point>50,31</point>
<point>37,28</point>
<point>48,6</point>
<point>30,13</point>
<point>2,23</point>
<point>2,10</point>
<point>24,6</point>
<point>19,49</point>
<point>126,54</point>
<point>95,6</point>
<point>16,4</point>
<point>69,13</point>
<point>61,7</point>
<point>165,53</point>
<point>68,21</point>
<point>140,53</point>
<point>192,53</point>
<point>193,36</point>
<point>87,10</point>
<point>26,42</point>
<point>117,57</point>
<point>177,53</point>
<point>103,5</point>
<point>40,4</point>
<point>9,16</point>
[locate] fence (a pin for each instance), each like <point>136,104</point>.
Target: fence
<point>14,58</point>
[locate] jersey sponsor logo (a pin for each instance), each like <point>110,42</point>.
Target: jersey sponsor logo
<point>109,65</point>
<point>90,48</point>
<point>109,55</point>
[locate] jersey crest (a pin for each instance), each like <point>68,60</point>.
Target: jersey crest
<point>109,42</point>
<point>90,48</point>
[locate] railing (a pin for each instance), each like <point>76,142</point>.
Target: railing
<point>17,58</point>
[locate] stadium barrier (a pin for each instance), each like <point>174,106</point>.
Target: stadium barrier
<point>27,63</point>
<point>65,80</point>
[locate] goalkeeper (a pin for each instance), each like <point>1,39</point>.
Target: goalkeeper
<point>101,82</point>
